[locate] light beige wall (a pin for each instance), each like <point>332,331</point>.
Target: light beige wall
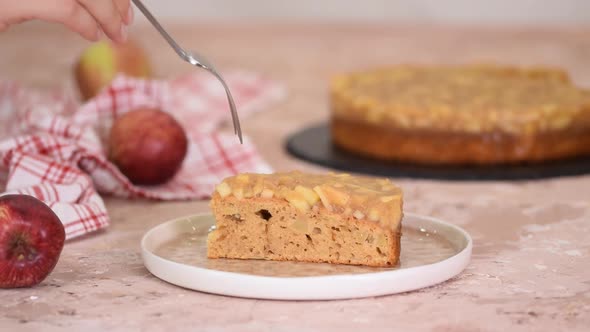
<point>460,11</point>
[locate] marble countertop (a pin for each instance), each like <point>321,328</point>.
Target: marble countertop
<point>531,261</point>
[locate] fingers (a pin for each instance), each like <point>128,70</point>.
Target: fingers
<point>108,16</point>
<point>89,18</point>
<point>67,12</point>
<point>82,22</point>
<point>126,10</point>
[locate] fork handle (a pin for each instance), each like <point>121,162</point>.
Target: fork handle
<point>179,50</point>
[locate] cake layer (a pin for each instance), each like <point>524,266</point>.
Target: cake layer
<point>272,229</point>
<point>440,147</point>
<point>307,217</point>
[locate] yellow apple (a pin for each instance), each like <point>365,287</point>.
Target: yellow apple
<point>102,61</point>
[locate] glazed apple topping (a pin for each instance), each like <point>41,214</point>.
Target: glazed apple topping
<point>362,198</point>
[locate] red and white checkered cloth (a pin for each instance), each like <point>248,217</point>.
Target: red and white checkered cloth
<point>53,149</point>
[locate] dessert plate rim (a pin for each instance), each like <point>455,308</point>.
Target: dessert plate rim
<point>328,287</point>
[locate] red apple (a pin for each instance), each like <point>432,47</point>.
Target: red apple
<point>31,240</point>
<point>148,146</point>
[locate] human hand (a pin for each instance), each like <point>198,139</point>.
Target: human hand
<point>89,18</point>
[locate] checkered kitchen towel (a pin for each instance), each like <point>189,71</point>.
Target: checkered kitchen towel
<point>53,149</point>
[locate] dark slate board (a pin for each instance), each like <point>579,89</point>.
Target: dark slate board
<point>314,145</point>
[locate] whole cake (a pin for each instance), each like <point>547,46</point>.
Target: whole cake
<point>461,115</point>
<point>333,218</point>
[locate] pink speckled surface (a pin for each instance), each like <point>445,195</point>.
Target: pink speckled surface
<point>530,269</point>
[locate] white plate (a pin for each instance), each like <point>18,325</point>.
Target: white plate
<point>433,251</point>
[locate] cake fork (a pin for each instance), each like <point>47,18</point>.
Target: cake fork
<point>195,60</point>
